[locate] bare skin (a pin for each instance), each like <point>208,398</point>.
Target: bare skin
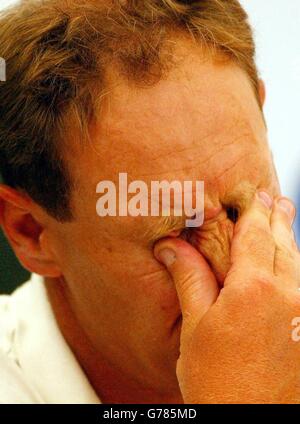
<point>116,304</point>
<point>236,347</point>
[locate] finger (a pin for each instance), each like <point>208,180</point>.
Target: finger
<point>253,245</point>
<point>195,282</point>
<point>286,262</point>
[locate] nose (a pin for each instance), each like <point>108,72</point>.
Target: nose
<point>213,240</point>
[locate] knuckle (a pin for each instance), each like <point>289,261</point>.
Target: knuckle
<point>285,252</point>
<point>250,299</point>
<point>260,287</point>
<point>264,283</point>
<point>260,231</point>
<point>283,234</point>
<point>261,215</point>
<point>287,264</point>
<point>256,233</point>
<point>258,252</point>
<point>257,286</point>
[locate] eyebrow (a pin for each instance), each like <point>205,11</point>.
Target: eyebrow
<point>240,198</point>
<point>165,224</point>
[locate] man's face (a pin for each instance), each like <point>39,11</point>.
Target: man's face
<point>201,123</point>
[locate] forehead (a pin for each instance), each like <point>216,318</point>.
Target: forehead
<point>201,122</point>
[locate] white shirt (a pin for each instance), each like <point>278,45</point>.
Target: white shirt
<point>36,363</point>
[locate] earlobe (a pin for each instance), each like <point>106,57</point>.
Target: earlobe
<point>23,232</point>
<point>38,265</point>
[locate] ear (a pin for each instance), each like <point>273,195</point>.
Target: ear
<point>24,233</point>
<point>262,91</point>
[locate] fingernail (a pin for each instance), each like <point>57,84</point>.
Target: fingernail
<point>265,198</point>
<point>288,208</point>
<point>167,257</point>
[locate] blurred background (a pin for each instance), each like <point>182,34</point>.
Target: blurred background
<point>277,31</point>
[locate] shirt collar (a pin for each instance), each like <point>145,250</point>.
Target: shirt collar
<point>42,352</point>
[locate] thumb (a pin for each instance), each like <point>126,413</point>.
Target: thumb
<point>196,285</point>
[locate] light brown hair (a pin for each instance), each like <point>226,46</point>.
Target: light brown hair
<point>57,54</point>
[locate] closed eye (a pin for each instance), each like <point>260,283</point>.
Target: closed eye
<point>232,214</point>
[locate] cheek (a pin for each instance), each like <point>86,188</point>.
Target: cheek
<point>150,283</point>
<point>134,275</point>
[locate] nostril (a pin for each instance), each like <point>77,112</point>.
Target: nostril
<point>232,214</point>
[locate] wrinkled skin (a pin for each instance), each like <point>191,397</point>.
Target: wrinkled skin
<point>237,344</point>
<point>202,123</point>
<point>213,238</point>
